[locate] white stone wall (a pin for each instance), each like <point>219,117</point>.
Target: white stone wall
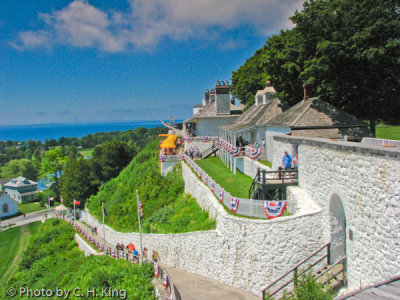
<point>250,167</point>
<point>367,181</point>
<point>244,253</point>
<point>85,247</point>
<point>198,143</point>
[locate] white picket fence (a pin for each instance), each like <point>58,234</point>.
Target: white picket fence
<point>391,144</point>
<point>246,207</point>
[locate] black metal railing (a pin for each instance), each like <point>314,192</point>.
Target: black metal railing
<point>280,176</point>
<point>253,185</point>
<point>295,271</point>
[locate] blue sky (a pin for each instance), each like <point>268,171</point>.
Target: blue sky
<point>99,60</point>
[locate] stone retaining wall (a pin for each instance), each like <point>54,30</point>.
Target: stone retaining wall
<point>366,179</point>
<point>85,247</point>
<point>244,253</point>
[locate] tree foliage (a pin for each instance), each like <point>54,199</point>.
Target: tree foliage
<point>249,78</point>
<point>53,260</point>
<point>348,53</point>
<point>165,207</point>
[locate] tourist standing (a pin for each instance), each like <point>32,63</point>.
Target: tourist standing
<point>155,256</point>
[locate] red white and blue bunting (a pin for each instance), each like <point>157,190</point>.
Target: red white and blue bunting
<point>163,157</point>
<point>206,179</point>
<point>188,139</point>
<point>221,194</point>
<point>234,204</point>
<point>212,185</point>
<point>255,153</point>
<point>205,139</point>
<point>236,151</point>
<point>274,209</point>
<point>164,279</point>
<point>155,270</point>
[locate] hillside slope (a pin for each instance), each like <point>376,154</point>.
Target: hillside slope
<point>165,207</point>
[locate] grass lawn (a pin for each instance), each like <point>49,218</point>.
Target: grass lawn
<point>266,163</point>
<point>26,208</point>
<point>86,152</point>
<point>388,132</point>
<point>13,243</point>
<point>236,184</point>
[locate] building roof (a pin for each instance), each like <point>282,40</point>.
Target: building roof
<point>256,115</point>
<point>198,105</point>
<point>317,118</point>
<point>20,181</point>
<point>210,111</point>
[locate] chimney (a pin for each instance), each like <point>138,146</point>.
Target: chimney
<point>222,102</point>
<point>207,97</point>
<point>269,92</point>
<point>211,96</point>
<point>305,91</point>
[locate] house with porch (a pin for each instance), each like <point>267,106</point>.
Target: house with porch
<point>21,189</point>
<point>217,109</point>
<point>8,206</point>
<point>314,118</point>
<point>249,128</point>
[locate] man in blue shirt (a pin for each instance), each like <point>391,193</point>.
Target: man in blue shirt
<point>286,161</point>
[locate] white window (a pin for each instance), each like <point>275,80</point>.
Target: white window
<point>5,208</point>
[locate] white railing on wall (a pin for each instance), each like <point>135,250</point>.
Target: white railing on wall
<point>246,207</point>
<point>391,144</point>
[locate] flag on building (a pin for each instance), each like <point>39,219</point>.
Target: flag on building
<point>76,202</point>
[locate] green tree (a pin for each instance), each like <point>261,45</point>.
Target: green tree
<point>249,78</point>
<point>110,158</point>
<point>52,166</point>
<point>22,167</point>
<point>76,181</point>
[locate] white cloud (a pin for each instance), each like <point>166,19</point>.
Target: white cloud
<point>147,22</point>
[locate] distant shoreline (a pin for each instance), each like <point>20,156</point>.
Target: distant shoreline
<point>41,132</point>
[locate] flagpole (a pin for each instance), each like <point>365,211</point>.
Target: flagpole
<point>140,230</point>
<point>104,232</point>
<point>74,211</point>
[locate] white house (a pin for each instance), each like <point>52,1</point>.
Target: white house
<point>8,207</point>
<point>216,109</point>
<point>21,189</point>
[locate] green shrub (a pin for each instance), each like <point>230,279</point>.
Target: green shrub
<point>165,208</point>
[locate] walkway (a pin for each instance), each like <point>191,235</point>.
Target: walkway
<point>195,287</point>
<point>388,290</point>
<point>189,285</point>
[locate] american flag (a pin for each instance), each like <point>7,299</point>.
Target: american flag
<point>139,207</point>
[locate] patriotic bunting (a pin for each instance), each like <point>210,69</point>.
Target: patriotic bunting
<point>234,204</point>
<point>163,157</point>
<point>189,139</point>
<point>255,153</point>
<point>236,151</point>
<point>165,279</point>
<point>206,179</point>
<point>205,139</point>
<point>274,209</point>
<point>170,296</point>
<point>221,194</point>
<point>155,270</point>
<point>212,185</point>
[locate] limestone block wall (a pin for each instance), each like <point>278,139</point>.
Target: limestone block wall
<point>367,181</point>
<point>85,247</point>
<point>196,142</point>
<point>249,166</point>
<point>244,253</point>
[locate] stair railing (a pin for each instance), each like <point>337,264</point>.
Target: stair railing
<point>254,184</point>
<point>295,270</point>
<point>209,151</point>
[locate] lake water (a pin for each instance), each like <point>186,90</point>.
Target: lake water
<point>55,131</point>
